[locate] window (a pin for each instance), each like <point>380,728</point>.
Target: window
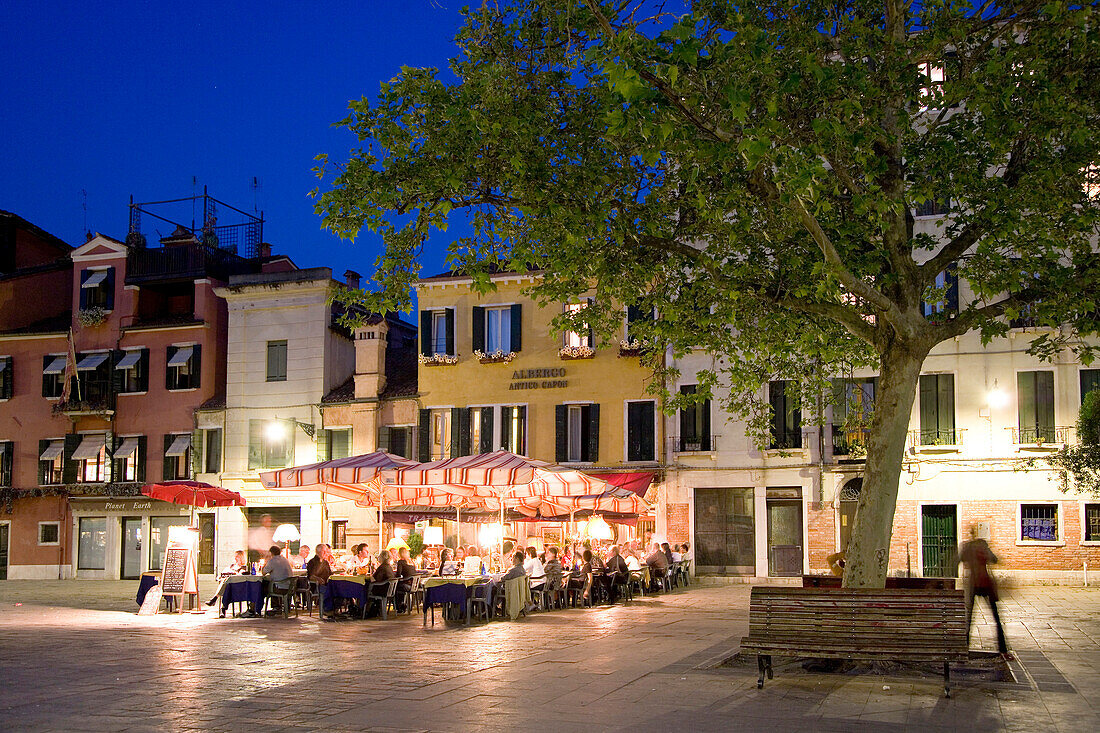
<point>937,409</point>
<point>1091,530</point>
<point>339,534</point>
<point>49,533</point>
<point>94,371</point>
<point>334,443</point>
<point>578,433</point>
<point>184,366</point>
<point>212,444</point>
<point>7,450</point>
<point>1035,397</point>
<point>437,328</point>
<point>496,329</point>
<point>50,461</point>
<point>91,458</point>
<point>270,443</point>
<point>636,317</point>
<point>1090,380</point>
<point>1039,523</point>
<point>6,379</point>
<point>513,429</point>
<point>694,423</point>
<point>786,423</point>
<point>578,339</point>
<point>853,404</point>
<point>53,375</point>
<point>97,288</point>
<point>440,434</point>
<point>935,206</point>
<point>129,458</point>
<point>641,431</point>
<point>158,538</point>
<point>92,543</point>
<point>276,361</point>
<point>177,456</point>
<point>396,440</point>
<point>947,283</point>
<point>132,371</point>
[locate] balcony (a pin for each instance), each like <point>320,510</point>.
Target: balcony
<point>693,444</point>
<point>1046,438</point>
<point>936,441</point>
<point>850,444</point>
<point>184,262</point>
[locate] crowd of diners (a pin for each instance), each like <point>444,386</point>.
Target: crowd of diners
<point>589,569</point>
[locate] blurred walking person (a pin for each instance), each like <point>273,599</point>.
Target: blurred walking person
<point>977,556</point>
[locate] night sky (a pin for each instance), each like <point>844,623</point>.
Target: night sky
<point>121,98</point>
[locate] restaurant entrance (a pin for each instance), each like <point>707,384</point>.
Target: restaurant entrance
<point>784,532</point>
<point>206,544</point>
<point>131,548</point>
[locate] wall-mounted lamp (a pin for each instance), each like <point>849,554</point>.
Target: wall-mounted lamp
<point>276,428</point>
<point>997,397</point>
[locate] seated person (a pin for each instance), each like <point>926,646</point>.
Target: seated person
<point>516,571</point>
<point>533,567</point>
<point>363,563</point>
<point>617,572</point>
<point>632,561</point>
<point>318,570</point>
<point>406,571</point>
<point>657,562</point>
<point>668,552</point>
<point>685,551</point>
<point>384,573</point>
<point>239,564</point>
<point>552,570</point>
<point>676,556</point>
<point>472,564</point>
<point>277,568</point>
<point>447,565</point>
<point>586,575</point>
<point>302,557</point>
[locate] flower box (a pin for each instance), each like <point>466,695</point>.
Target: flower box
<point>495,357</point>
<point>576,352</point>
<point>438,360</point>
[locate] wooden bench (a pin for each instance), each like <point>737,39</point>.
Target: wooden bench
<point>857,624</point>
<point>833,581</point>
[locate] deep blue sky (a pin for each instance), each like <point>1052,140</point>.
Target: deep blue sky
<point>121,98</point>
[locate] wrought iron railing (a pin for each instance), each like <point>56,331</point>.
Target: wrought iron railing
<point>934,438</point>
<point>693,443</point>
<point>1042,435</point>
<point>785,441</point>
<point>183,261</point>
<point>849,440</point>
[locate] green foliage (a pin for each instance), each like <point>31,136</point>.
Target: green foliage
<point>416,544</point>
<point>1079,465</point>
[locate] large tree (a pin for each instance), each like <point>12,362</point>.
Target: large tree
<point>751,172</point>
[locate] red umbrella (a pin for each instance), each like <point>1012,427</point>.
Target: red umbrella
<point>192,493</point>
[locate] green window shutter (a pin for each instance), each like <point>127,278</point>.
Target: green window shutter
<point>640,431</point>
<point>478,328</point>
<point>945,398</point>
<point>142,454</point>
<point>168,465</point>
<point>424,436</point>
<point>169,382</point>
<point>1044,404</point>
<point>426,333</point>
<point>118,466</point>
<point>561,433</point>
<point>778,403</point>
<point>460,431</point>
<point>341,443</point>
<point>8,379</point>
<point>517,328</point>
<point>385,441</point>
<point>450,316</point>
<point>69,467</point>
<point>43,466</point>
<point>506,427</point>
<point>929,406</point>
<point>486,445</point>
<point>1090,380</point>
<point>6,459</point>
<point>521,423</point>
<point>324,445</point>
<point>255,444</point>
<point>592,439</point>
<point>688,419</point>
<point>1025,397</point>
<point>196,366</point>
<point>197,464</point>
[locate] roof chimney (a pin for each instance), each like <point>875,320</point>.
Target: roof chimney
<point>264,250</point>
<point>351,277</point>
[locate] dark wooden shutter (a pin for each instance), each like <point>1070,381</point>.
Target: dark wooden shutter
<point>779,411</point>
<point>385,440</point>
<point>83,290</point>
<point>591,334</point>
<point>593,438</point>
<point>704,438</point>
<point>517,328</point>
<point>426,333</point>
<point>6,460</point>
<point>255,444</point>
<point>424,436</point>
<point>143,371</point>
<point>640,431</point>
<point>487,430</point>
<point>69,467</point>
<point>118,465</point>
<point>521,439</point>
<point>479,328</point>
<point>8,381</point>
<point>951,281</point>
<point>169,382</point>
<point>196,366</point>
<point>197,455</point>
<point>167,467</point>
<point>1090,380</point>
<point>794,436</point>
<point>561,433</point>
<point>450,316</point>
<point>460,431</point>
<point>43,479</point>
<point>47,379</point>
<point>506,428</point>
<point>946,406</point>
<point>213,450</point>
<point>116,374</point>
<point>688,422</point>
<point>109,286</point>
<point>929,422</point>
<point>141,456</point>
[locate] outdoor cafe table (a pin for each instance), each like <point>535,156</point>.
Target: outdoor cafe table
<point>244,589</point>
<point>455,589</point>
<point>349,587</point>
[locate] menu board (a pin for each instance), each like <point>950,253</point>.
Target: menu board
<point>175,570</point>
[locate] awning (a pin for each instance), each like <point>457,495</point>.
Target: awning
<point>91,361</point>
<point>129,360</point>
<point>182,356</point>
<point>89,448</point>
<point>57,366</point>
<point>635,482</point>
<point>128,448</point>
<point>53,450</point>
<point>179,446</point>
<point>94,279</point>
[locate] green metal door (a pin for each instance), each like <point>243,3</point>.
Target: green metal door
<point>940,541</point>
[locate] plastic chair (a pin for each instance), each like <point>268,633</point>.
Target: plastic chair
<point>284,590</point>
<point>385,599</point>
<point>478,596</point>
<point>411,594</point>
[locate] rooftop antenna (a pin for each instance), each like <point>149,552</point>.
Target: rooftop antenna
<point>84,204</point>
<point>194,185</point>
<point>256,187</point>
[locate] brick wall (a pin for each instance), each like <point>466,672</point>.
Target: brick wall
<point>821,526</point>
<point>677,527</point>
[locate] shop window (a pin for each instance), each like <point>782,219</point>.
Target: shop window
<point>276,361</point>
<point>1039,523</point>
<point>582,338</point>
<point>7,381</point>
<point>50,461</point>
<point>92,543</point>
<point>158,538</point>
<point>129,458</point>
<point>132,371</point>
<point>497,329</point>
<point>177,456</point>
<point>513,429</point>
<point>1035,401</point>
<point>937,409</point>
<point>270,443</point>
<point>640,431</point>
<point>97,288</point>
<point>49,533</point>
<point>184,364</point>
<point>91,458</point>
<point>1092,523</point>
<point>786,422</point>
<point>437,329</point>
<point>339,534</point>
<point>333,443</point>
<point>694,424</point>
<point>577,433</point>
<point>53,375</point>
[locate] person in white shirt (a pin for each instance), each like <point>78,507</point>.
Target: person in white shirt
<point>676,556</point>
<point>533,567</point>
<point>472,564</point>
<point>632,562</point>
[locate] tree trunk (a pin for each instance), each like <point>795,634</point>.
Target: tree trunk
<point>868,552</point>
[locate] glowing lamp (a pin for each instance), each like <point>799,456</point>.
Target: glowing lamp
<point>997,398</point>
<point>183,537</point>
<point>490,534</point>
<point>275,431</point>
<point>286,533</point>
<point>433,535</point>
<point>598,529</point>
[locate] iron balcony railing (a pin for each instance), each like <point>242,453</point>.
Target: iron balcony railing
<point>1042,435</point>
<point>184,261</point>
<point>937,438</point>
<point>785,441</point>
<point>845,440</point>
<point>694,443</point>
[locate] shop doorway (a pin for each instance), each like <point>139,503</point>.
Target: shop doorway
<point>4,551</point>
<point>206,544</point>
<point>939,541</point>
<point>724,531</point>
<point>131,548</point>
<point>784,537</point>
